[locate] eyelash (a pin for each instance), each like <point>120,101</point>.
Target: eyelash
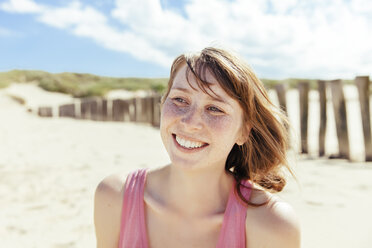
<point>215,109</point>
<point>180,100</point>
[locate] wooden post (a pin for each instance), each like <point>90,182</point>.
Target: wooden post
<point>132,109</point>
<point>156,111</point>
<point>67,110</point>
<point>141,109</point>
<point>149,109</point>
<point>88,108</point>
<point>104,110</point>
<point>94,110</point>
<point>98,110</point>
<point>126,109</point>
<point>281,91</point>
<point>45,111</point>
<point>363,88</point>
<point>84,114</point>
<point>303,88</point>
<point>323,115</point>
<point>117,110</point>
<point>138,109</point>
<point>145,109</point>
<point>339,109</point>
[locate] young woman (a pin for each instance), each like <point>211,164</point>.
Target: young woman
<point>227,145</point>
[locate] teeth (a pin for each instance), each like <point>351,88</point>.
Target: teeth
<point>188,143</point>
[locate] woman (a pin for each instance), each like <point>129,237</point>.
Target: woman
<point>227,146</point>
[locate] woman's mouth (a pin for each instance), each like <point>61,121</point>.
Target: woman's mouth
<point>188,144</point>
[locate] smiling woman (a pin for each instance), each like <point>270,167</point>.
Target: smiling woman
<point>227,145</point>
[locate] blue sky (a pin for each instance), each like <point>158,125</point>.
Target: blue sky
<point>278,38</point>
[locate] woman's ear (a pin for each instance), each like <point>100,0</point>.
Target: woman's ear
<point>244,135</point>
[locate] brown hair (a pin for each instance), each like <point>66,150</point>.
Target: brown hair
<point>262,156</point>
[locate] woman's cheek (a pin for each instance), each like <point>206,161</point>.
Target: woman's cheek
<point>218,122</point>
<point>171,110</point>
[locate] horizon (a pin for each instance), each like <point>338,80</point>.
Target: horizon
<point>126,38</point>
<point>262,78</point>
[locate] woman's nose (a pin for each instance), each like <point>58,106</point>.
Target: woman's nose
<point>192,119</point>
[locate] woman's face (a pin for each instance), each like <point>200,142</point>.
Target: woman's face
<point>199,130</point>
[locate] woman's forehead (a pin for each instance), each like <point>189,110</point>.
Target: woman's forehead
<point>186,79</point>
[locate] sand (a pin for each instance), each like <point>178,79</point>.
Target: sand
<point>49,168</point>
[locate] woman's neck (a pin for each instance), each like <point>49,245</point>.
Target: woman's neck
<point>197,193</point>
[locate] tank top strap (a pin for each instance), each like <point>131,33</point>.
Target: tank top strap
<point>133,227</point>
<point>232,232</point>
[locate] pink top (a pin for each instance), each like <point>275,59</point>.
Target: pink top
<point>133,225</point>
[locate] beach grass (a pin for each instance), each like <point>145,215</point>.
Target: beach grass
<point>80,84</point>
<point>86,85</point>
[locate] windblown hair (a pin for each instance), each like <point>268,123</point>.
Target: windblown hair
<point>263,155</point>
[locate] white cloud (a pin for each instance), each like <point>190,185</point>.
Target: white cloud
<point>21,6</point>
<point>86,21</point>
<point>320,38</point>
<point>72,15</point>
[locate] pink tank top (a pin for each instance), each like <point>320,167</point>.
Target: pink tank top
<point>133,232</point>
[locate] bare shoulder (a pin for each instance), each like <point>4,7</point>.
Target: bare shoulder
<point>274,224</point>
<point>112,184</point>
<point>107,210</point>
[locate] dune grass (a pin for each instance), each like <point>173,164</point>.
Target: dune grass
<point>80,84</point>
<point>85,85</point>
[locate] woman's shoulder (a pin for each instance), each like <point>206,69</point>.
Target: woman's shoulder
<point>275,224</point>
<point>111,186</point>
<point>107,209</point>
<point>110,191</point>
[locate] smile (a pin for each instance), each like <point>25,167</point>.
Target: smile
<point>189,144</point>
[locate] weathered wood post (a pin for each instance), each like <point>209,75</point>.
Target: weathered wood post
<point>143,108</point>
<point>67,110</point>
<point>323,115</point>
<point>94,109</point>
<point>117,110</point>
<point>132,109</point>
<point>149,109</point>
<point>339,109</point>
<point>146,110</point>
<point>126,109</point>
<point>281,92</point>
<point>139,105</point>
<point>303,88</point>
<point>99,109</point>
<point>156,110</point>
<point>104,110</point>
<point>84,109</point>
<point>363,88</point>
<point>45,112</point>
<point>88,108</point>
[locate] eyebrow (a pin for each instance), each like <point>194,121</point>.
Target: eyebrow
<point>215,98</point>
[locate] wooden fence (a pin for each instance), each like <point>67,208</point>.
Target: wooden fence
<point>340,115</point>
<point>147,110</point>
<point>144,110</point>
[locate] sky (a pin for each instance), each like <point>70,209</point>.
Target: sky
<point>321,39</point>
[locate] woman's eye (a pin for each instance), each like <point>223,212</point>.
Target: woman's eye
<point>179,100</point>
<point>215,109</point>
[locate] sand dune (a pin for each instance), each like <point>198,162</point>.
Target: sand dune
<point>49,168</point>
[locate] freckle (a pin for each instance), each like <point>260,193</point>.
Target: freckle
<point>170,109</point>
<point>217,122</point>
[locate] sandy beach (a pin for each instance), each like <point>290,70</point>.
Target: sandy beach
<point>49,168</point>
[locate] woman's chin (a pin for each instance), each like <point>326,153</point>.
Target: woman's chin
<point>186,164</point>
